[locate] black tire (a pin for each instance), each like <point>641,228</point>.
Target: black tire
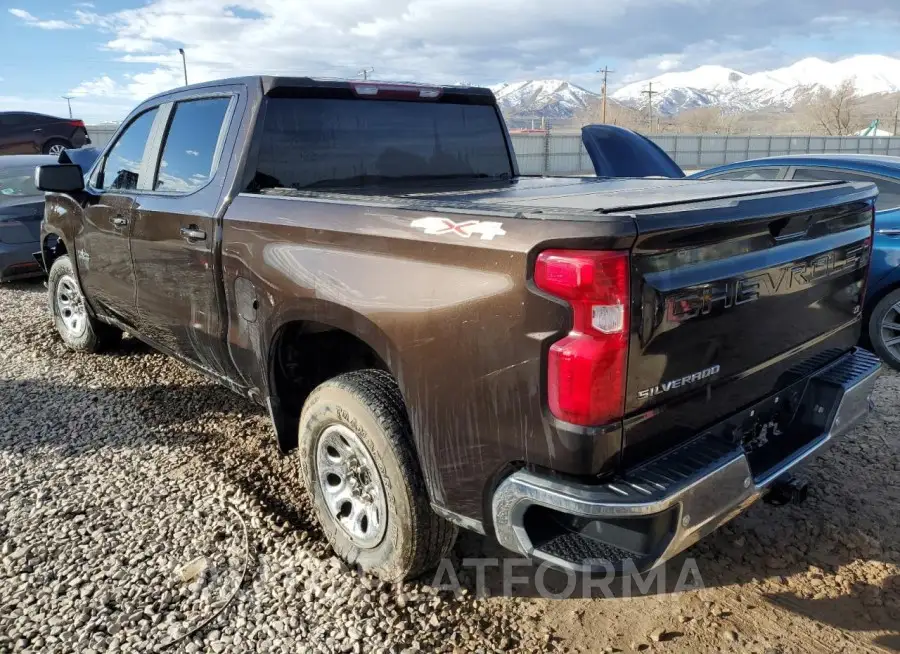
<point>94,335</point>
<point>877,334</point>
<point>49,146</point>
<point>369,403</point>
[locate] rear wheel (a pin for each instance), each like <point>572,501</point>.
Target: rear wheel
<point>884,329</point>
<point>357,461</point>
<point>56,147</point>
<point>77,328</point>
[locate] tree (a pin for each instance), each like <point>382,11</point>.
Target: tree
<point>835,111</point>
<point>616,114</point>
<point>706,120</point>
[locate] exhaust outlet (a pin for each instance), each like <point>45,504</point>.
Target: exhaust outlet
<point>787,489</point>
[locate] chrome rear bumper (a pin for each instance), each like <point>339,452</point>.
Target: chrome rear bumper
<point>698,486</point>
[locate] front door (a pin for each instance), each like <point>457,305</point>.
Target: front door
<point>174,235</point>
<point>102,250</point>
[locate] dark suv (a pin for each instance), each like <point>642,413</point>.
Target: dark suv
<point>22,132</point>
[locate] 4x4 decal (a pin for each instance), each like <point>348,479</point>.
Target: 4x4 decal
<point>436,226</point>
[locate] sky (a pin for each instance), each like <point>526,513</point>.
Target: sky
<point>111,54</point>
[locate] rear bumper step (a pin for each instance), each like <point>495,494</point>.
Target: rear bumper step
<point>656,510</point>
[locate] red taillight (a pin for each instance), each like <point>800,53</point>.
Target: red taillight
<point>76,123</point>
<point>586,369</point>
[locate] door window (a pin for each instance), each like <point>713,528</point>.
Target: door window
<point>189,153</point>
<point>749,174</point>
<point>888,192</point>
<point>11,120</point>
<point>123,163</point>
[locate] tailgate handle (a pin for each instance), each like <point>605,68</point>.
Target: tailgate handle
<point>785,229</point>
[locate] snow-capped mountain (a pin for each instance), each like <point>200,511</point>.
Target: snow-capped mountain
<point>732,89</point>
<point>548,98</point>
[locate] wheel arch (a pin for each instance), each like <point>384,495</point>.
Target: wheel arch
<point>53,246</point>
<point>308,347</point>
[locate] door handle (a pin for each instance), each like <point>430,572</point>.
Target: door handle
<point>38,130</point>
<point>193,233</point>
<point>120,221</point>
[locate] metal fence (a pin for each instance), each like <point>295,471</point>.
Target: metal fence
<point>101,134</point>
<point>564,154</point>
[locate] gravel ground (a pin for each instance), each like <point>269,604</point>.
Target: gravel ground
<point>117,470</point>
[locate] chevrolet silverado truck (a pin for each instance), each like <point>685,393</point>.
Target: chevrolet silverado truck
<point>591,371</point>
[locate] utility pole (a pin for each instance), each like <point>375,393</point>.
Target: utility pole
<point>365,73</point>
<point>606,71</point>
<point>184,64</point>
<point>68,99</point>
<point>650,92</point>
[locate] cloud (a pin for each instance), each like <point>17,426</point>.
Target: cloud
<point>33,21</point>
<point>452,40</point>
<point>103,86</point>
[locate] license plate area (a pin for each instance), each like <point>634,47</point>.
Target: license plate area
<point>772,430</point>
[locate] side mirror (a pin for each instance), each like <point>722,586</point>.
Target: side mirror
<point>62,178</point>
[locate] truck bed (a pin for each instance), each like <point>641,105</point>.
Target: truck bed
<point>549,197</point>
<point>692,245</point>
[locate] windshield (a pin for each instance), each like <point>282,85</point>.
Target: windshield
<point>328,142</point>
<point>17,182</point>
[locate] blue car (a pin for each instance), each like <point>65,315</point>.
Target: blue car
<point>882,307</point>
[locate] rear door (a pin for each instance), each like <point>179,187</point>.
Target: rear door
<point>728,299</point>
<point>173,242</point>
<point>102,249</point>
<point>16,135</point>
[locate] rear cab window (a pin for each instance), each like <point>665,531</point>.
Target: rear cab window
<point>311,143</point>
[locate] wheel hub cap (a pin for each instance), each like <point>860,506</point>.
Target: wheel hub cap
<point>70,306</point>
<point>351,486</point>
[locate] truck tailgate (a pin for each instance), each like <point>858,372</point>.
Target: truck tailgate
<point>728,298</point>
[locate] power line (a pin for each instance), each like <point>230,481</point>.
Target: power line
<point>365,72</point>
<point>649,93</point>
<point>606,71</point>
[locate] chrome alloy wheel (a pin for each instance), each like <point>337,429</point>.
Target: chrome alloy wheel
<point>70,306</point>
<point>890,330</point>
<point>351,485</point>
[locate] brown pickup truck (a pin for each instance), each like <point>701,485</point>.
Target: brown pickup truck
<point>591,371</point>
